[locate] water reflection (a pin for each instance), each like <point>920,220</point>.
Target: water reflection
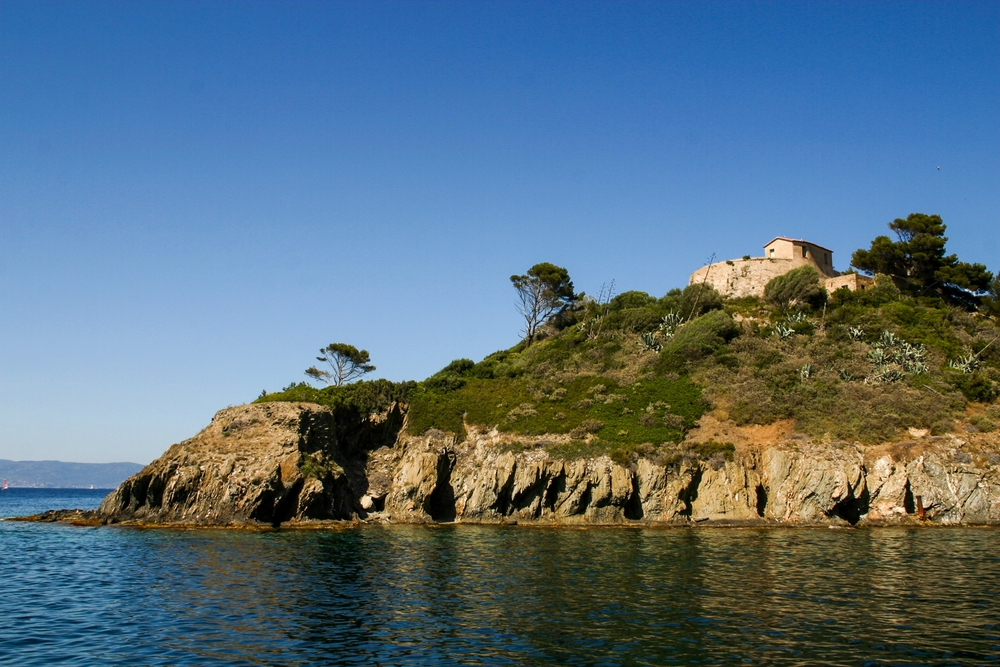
<point>465,595</point>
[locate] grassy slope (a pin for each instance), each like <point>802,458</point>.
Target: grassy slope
<point>593,381</point>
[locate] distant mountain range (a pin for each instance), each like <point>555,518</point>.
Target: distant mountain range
<point>63,475</point>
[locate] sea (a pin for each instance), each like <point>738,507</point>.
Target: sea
<point>490,595</point>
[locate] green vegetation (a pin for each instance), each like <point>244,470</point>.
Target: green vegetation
<point>797,287</point>
<point>585,407</point>
<point>628,376</point>
<point>353,405</point>
<point>918,265</point>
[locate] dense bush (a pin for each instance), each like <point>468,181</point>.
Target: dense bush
<point>884,291</point>
<point>697,339</point>
<point>634,320</point>
<point>696,299</point>
<point>631,299</point>
<point>799,286</point>
<point>352,404</point>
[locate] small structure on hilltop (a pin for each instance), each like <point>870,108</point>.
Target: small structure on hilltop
<point>749,276</point>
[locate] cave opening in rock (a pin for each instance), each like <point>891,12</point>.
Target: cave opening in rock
<point>908,503</point>
<point>761,500</point>
<point>633,506</point>
<point>689,493</point>
<point>287,502</point>
<point>851,509</point>
<point>556,487</point>
<point>441,503</point>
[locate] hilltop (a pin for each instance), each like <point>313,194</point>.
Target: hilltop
<point>631,375</point>
<point>863,366</point>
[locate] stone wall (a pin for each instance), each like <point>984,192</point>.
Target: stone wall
<point>742,277</point>
<point>748,277</point>
<point>851,281</point>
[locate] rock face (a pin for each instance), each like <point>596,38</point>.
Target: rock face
<point>434,478</point>
<point>279,462</point>
<point>265,463</point>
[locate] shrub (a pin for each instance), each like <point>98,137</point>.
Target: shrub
<point>884,291</point>
<point>452,376</point>
<point>621,457</point>
<point>707,450</point>
<point>459,366</point>
<point>976,386</point>
<point>497,365</point>
<point>983,423</point>
<point>634,320</point>
<point>589,404</point>
<point>649,419</point>
<point>697,339</point>
<point>633,299</point>
<point>444,382</point>
<point>432,410</point>
<point>798,286</point>
<point>673,421</point>
<point>698,299</point>
<point>352,405</point>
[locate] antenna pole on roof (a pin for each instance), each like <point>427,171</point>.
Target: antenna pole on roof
<point>697,298</point>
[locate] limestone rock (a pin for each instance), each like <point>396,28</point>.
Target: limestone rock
<point>780,478</point>
<point>260,463</point>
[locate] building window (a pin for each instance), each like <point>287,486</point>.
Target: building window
<point>826,257</point>
<point>805,252</point>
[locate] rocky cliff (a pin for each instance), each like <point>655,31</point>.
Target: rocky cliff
<point>274,463</point>
<point>267,463</point>
<point>773,477</point>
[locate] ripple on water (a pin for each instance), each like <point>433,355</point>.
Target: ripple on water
<point>465,595</point>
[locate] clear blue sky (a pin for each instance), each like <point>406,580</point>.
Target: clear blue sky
<point>195,197</point>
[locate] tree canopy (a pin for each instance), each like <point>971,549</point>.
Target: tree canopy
<point>544,291</point>
<point>798,286</point>
<point>918,265</point>
<point>346,363</point>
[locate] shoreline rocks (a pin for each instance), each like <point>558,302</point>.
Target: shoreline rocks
<point>791,482</point>
<point>274,464</point>
<point>263,463</point>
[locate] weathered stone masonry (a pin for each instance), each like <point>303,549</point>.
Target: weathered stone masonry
<point>748,277</point>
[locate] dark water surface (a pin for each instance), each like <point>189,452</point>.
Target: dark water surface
<point>466,595</point>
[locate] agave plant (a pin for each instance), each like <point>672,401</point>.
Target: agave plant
<point>668,327</point>
<point>892,359</point>
<point>969,363</point>
<point>783,331</point>
<point>648,342</point>
<point>845,374</point>
<point>878,356</point>
<point>886,376</point>
<point>795,318</point>
<point>806,372</point>
<point>856,333</point>
<point>887,339</point>
<point>913,358</point>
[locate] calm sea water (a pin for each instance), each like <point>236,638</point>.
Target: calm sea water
<point>466,595</point>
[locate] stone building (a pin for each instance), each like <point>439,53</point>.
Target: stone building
<point>749,276</point>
